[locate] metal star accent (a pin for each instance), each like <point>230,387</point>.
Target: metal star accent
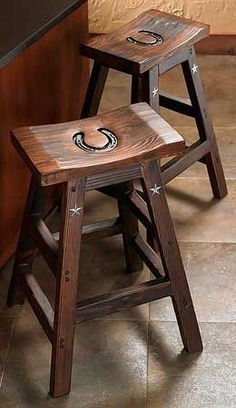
<point>194,68</point>
<point>155,92</point>
<point>75,211</point>
<point>156,190</point>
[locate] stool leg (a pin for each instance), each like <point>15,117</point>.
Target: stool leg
<point>66,286</point>
<point>171,258</point>
<point>204,124</point>
<point>150,88</point>
<point>25,250</point>
<point>94,92</point>
<point>130,228</point>
<point>136,89</point>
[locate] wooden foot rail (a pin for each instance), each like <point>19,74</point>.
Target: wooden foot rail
<point>139,207</point>
<point>103,229</point>
<point>47,242</point>
<point>39,303</point>
<point>178,164</point>
<point>121,299</point>
<point>176,104</point>
<point>148,255</point>
<point>44,240</point>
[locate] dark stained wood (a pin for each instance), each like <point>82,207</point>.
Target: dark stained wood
<point>94,91</point>
<point>66,287</point>
<point>178,164</point>
<point>49,242</point>
<point>136,90</point>
<point>214,44</point>
<point>111,178</point>
<point>102,229</point>
<point>150,87</point>
<point>37,144</point>
<point>130,228</point>
<point>24,22</point>
<point>176,104</point>
<point>44,241</point>
<point>149,256</point>
<point>139,207</point>
<point>23,262</point>
<point>205,126</point>
<point>115,51</point>
<point>146,64</point>
<point>45,84</point>
<point>172,263</point>
<point>153,209</point>
<point>121,299</point>
<point>174,61</point>
<point>39,303</point>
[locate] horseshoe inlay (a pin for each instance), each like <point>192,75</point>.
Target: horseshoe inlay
<point>112,141</point>
<point>157,39</point>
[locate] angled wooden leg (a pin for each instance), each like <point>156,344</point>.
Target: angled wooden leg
<point>136,91</point>
<point>95,89</point>
<point>25,250</point>
<point>150,88</point>
<point>130,228</point>
<point>204,124</point>
<point>66,286</point>
<point>171,258</point>
<point>150,94</point>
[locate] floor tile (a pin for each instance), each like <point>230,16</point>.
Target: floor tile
<point>227,148</point>
<point>110,366</point>
<point>210,269</point>
<point>177,379</point>
<point>5,275</point>
<point>197,216</point>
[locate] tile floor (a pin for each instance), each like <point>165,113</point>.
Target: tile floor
<point>135,359</point>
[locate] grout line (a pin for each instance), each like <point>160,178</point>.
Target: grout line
<point>199,321</point>
<point>205,242</point>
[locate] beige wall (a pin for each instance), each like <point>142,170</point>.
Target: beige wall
<point>106,15</point>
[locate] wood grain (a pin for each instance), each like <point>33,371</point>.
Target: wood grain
<point>116,52</point>
<point>53,157</point>
<point>171,259</point>
<point>66,287</point>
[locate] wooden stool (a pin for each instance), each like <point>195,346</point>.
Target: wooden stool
<point>111,149</point>
<point>146,48</point>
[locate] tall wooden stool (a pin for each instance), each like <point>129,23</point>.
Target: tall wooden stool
<point>146,48</point>
<point>111,149</point>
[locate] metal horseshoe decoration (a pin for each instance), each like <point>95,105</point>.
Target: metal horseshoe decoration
<point>157,39</point>
<point>79,141</point>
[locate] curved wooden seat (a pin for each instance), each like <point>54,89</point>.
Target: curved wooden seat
<point>146,41</point>
<point>51,153</point>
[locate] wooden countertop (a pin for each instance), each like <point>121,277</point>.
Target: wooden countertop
<point>24,21</point>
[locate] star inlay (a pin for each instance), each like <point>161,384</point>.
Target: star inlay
<point>194,69</point>
<point>75,211</point>
<point>156,190</point>
<point>155,92</point>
